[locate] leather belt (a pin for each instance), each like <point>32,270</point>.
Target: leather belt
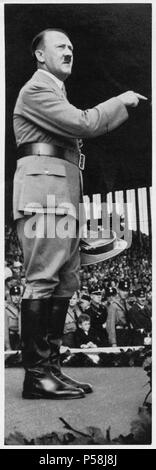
<point>51,150</point>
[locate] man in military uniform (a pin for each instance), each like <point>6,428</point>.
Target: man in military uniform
<point>140,318</point>
<point>47,182</point>
<point>12,319</point>
<point>98,315</point>
<point>117,325</point>
<point>131,298</point>
<point>110,293</point>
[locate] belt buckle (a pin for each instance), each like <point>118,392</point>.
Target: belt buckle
<point>82,159</point>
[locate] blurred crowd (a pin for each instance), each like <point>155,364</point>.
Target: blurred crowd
<point>134,263</point>
<point>112,308</point>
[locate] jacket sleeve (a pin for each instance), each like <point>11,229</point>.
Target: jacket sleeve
<point>54,113</point>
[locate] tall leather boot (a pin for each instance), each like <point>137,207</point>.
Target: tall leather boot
<point>56,320</point>
<point>39,380</point>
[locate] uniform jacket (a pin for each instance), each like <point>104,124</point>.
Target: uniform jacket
<point>98,316</point>
<point>43,114</point>
<point>140,318</point>
<point>116,316</point>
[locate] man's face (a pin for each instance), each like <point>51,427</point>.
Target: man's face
<point>141,300</point>
<point>123,294</point>
<point>15,299</point>
<point>84,304</point>
<point>58,54</point>
<point>96,298</point>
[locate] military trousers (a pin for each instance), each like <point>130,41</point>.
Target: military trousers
<point>50,246</point>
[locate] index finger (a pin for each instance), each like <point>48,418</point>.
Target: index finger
<point>141,96</point>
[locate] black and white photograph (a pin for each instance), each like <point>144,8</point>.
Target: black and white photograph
<point>78,229</point>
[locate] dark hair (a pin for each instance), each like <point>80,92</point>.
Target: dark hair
<point>39,38</point>
<point>83,317</point>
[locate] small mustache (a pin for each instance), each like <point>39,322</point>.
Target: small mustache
<point>67,60</point>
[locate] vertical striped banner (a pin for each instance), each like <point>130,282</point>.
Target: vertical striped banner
<point>137,203</point>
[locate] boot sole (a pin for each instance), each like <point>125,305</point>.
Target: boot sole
<point>34,396</point>
<point>72,383</point>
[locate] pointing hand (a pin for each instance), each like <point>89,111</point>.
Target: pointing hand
<point>130,98</point>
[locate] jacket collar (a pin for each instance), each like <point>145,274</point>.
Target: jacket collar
<point>39,76</point>
<point>52,77</point>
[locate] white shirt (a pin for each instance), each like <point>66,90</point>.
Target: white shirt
<point>57,80</point>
